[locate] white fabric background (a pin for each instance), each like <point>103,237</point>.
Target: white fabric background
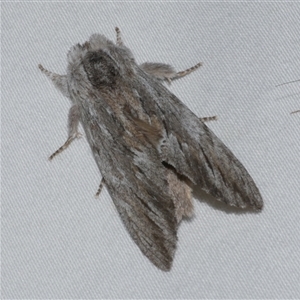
<point>58,241</point>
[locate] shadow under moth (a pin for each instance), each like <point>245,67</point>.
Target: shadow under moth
<point>150,148</point>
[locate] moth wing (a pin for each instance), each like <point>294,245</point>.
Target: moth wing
<point>197,153</point>
<point>135,181</point>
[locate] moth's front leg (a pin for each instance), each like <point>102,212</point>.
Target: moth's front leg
<point>73,121</point>
<point>166,72</point>
<point>59,81</point>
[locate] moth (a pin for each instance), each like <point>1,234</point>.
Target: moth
<point>150,148</point>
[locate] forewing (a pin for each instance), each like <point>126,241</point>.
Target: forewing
<point>133,174</point>
<point>195,151</point>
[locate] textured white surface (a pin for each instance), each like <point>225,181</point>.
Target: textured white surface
<point>60,242</point>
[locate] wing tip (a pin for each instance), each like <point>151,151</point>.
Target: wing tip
<point>165,265</point>
<point>258,205</point>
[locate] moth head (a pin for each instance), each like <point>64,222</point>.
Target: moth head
<point>105,62</point>
<point>95,43</point>
<point>119,53</point>
<point>101,68</point>
<point>99,42</point>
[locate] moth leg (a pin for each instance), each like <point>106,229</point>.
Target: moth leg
<point>59,81</point>
<point>166,72</point>
<point>207,119</point>
<point>158,70</point>
<point>119,38</point>
<point>187,71</point>
<point>102,183</point>
<point>73,121</point>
